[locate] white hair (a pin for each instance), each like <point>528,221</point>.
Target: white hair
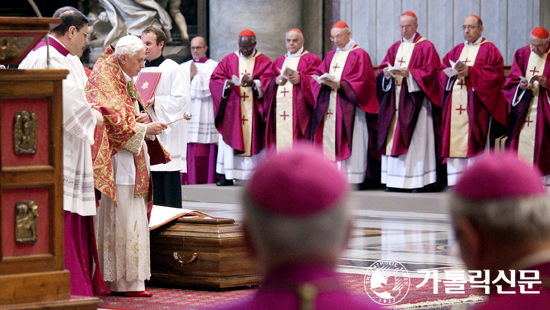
<point>545,41</point>
<point>128,45</point>
<point>506,219</point>
<point>292,238</point>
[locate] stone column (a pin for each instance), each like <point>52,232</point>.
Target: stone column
<point>269,20</point>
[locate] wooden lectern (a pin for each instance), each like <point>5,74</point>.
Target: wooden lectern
<point>32,266</point>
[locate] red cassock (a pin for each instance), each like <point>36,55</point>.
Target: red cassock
<point>486,77</point>
<point>302,97</point>
<point>424,66</point>
<point>519,300</point>
<point>518,113</point>
<point>228,111</point>
<point>357,88</point>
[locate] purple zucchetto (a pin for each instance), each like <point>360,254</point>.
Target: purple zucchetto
<point>499,176</point>
<point>297,183</point>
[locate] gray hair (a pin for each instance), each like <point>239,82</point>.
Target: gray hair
<point>545,41</point>
<point>290,238</point>
<point>415,20</point>
<point>506,219</point>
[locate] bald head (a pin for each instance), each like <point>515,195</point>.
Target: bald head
<point>198,48</point>
<point>294,41</point>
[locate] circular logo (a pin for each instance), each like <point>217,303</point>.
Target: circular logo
<point>387,282</point>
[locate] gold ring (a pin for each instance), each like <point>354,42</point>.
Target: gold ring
<point>162,131</point>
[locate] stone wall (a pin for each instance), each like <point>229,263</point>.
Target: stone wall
<point>269,20</point>
<point>507,23</point>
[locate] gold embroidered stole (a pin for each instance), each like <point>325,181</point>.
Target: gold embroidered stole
<point>526,144</point>
<point>459,101</point>
<point>402,59</point>
<point>284,110</point>
<point>246,66</point>
<point>329,121</point>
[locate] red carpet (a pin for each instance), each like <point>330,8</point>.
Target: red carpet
<point>176,299</point>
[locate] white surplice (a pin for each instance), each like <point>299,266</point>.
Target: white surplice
<point>171,101</point>
<point>201,128</point>
<point>78,130</point>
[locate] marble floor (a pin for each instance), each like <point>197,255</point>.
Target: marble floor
<point>412,229</point>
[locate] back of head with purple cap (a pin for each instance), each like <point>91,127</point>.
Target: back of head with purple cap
<point>295,206</point>
<point>503,195</point>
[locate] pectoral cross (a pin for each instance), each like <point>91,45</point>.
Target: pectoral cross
<point>284,115</point>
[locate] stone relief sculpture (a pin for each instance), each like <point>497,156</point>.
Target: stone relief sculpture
<point>132,16</point>
<point>112,19</point>
<point>177,17</point>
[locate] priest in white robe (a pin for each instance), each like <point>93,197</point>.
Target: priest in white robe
<point>202,135</point>
<point>171,99</point>
<point>79,121</point>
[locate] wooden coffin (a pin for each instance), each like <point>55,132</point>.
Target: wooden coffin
<point>201,252</point>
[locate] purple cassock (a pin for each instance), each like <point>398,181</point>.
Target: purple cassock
<point>302,98</point>
<point>280,291</point>
<point>486,77</point>
<point>357,89</point>
<point>228,110</point>
<point>518,114</point>
<point>424,66</point>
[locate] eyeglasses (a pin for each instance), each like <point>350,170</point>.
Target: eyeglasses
<point>470,27</point>
<point>86,34</point>
<point>337,38</point>
<point>195,48</point>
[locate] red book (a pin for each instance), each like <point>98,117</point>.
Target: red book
<point>146,83</point>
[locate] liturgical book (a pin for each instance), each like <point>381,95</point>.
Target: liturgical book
<point>146,83</point>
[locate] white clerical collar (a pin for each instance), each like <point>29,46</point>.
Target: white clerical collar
<point>476,42</point>
<point>411,40</point>
<point>532,260</point>
<point>253,53</point>
<point>52,37</point>
<point>298,53</point>
<point>127,77</point>
<point>348,46</point>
